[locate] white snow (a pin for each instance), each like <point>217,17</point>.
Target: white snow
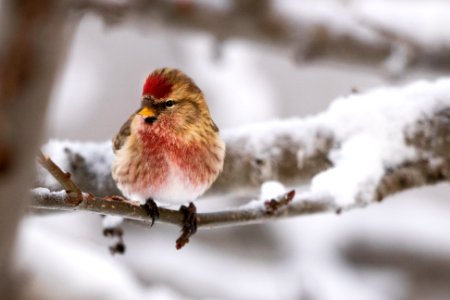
<point>40,191</point>
<point>370,129</point>
<point>271,190</point>
<point>111,221</point>
<point>357,168</point>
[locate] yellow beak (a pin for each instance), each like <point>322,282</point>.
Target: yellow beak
<point>147,112</point>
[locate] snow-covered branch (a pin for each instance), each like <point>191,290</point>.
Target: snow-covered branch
<point>364,148</point>
<point>371,33</point>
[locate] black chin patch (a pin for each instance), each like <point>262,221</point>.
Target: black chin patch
<point>150,120</point>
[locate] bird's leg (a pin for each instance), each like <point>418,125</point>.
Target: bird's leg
<point>152,209</point>
<point>189,224</point>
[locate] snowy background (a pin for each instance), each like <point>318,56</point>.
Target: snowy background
<point>398,249</point>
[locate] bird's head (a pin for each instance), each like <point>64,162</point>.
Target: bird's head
<point>171,101</point>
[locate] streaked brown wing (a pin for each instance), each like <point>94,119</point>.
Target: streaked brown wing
<point>214,126</point>
<point>120,139</point>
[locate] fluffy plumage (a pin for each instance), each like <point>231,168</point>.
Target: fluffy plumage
<point>170,149</point>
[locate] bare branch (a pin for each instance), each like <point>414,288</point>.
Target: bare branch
<point>62,177</point>
<point>45,199</point>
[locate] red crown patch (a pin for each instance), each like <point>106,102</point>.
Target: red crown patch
<point>156,86</point>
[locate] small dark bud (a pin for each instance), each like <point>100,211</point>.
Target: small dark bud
<point>118,248</point>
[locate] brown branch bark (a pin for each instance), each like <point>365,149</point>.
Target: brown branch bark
<point>62,177</point>
<point>309,39</point>
<point>111,205</point>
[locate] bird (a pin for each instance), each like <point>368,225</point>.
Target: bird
<point>170,149</point>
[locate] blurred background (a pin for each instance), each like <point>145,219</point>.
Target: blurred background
<point>399,249</point>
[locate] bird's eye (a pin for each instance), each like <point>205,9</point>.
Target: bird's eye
<point>169,103</point>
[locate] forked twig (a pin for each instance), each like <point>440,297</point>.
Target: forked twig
<point>62,177</point>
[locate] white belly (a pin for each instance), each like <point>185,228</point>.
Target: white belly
<point>177,189</point>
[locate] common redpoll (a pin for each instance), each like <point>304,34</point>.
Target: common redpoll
<point>169,150</point>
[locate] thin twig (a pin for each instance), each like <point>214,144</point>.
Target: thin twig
<point>274,205</point>
<point>62,177</point>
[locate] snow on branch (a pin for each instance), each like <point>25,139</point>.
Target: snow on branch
<point>371,33</point>
<point>364,148</point>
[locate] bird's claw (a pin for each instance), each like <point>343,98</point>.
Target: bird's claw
<point>152,210</point>
<point>189,224</point>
